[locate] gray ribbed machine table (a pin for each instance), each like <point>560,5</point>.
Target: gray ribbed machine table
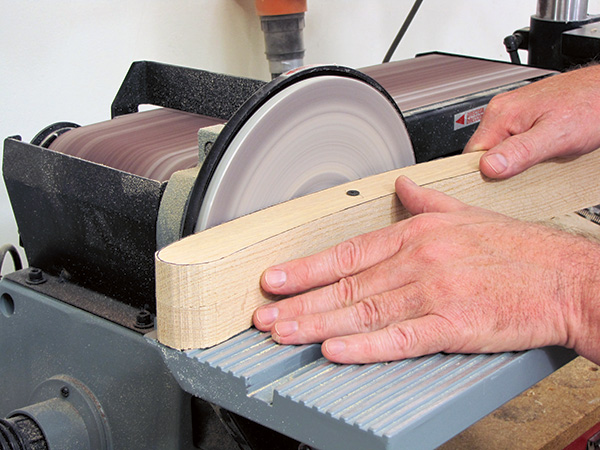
<point>415,403</point>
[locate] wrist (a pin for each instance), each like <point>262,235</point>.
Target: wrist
<point>584,314</point>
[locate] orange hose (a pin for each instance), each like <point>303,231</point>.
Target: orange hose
<point>279,7</point>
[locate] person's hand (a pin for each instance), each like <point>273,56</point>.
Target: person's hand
<point>453,278</point>
<point>557,116</point>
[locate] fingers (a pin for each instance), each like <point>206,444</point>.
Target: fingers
<point>369,314</point>
<point>385,277</point>
<point>488,134</point>
<point>511,152</point>
<point>408,339</point>
<point>502,118</point>
<point>548,118</point>
<point>518,134</point>
<point>520,152</point>
<point>345,259</point>
<point>419,200</point>
<point>357,254</point>
<point>514,135</point>
<point>338,295</point>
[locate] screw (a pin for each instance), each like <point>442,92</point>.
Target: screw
<point>35,276</point>
<point>144,320</point>
<point>64,391</point>
<point>353,193</point>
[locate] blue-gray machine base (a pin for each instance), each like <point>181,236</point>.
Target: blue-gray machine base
<point>411,404</point>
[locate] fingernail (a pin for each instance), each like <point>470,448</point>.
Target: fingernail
<point>475,147</point>
<point>407,180</point>
<point>286,328</point>
<point>275,277</point>
<point>335,346</point>
<point>267,315</point>
<point>497,162</point>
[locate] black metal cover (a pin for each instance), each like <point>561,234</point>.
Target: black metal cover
<point>92,224</point>
<point>192,90</point>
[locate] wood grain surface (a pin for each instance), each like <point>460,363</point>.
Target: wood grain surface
<point>208,283</point>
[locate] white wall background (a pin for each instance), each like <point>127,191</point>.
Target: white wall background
<point>65,59</point>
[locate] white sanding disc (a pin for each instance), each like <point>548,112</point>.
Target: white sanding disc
<point>318,133</point>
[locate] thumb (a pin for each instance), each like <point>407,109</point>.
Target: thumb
<point>518,153</point>
<point>418,200</point>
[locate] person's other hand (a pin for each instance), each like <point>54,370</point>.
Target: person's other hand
<point>558,116</point>
<point>453,278</point>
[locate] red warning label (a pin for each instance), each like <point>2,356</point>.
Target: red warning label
<point>464,119</point>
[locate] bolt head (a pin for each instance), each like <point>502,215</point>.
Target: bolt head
<point>35,276</point>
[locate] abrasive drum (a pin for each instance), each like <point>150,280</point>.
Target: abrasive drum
<point>152,144</point>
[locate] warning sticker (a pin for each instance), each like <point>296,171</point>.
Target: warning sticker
<point>464,119</point>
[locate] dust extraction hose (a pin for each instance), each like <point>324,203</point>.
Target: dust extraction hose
<point>282,22</point>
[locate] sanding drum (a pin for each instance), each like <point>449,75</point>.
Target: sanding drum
<point>151,144</point>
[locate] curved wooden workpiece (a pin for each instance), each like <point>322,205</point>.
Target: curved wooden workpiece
<point>208,283</point>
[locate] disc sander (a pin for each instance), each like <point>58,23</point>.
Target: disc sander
<point>308,131</point>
